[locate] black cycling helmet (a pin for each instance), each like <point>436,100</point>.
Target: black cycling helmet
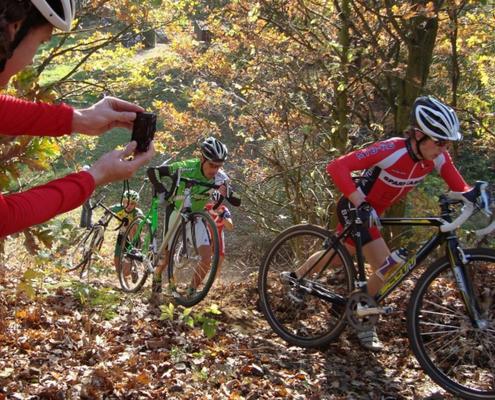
<point>435,119</point>
<point>214,150</point>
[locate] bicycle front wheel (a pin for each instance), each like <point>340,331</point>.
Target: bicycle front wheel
<point>79,254</point>
<point>453,350</point>
<point>193,259</point>
<point>307,311</point>
<point>136,255</point>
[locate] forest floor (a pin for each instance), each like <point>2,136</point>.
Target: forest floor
<point>63,338</point>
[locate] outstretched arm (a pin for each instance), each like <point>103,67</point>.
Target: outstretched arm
<point>340,169</point>
<point>21,117</point>
<point>35,206</point>
<point>116,165</point>
<point>450,173</point>
<point>21,210</point>
<point>108,113</point>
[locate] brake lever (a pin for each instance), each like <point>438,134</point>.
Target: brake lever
<point>485,198</point>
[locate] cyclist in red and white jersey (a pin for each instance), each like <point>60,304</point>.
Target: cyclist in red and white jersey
<point>392,168</point>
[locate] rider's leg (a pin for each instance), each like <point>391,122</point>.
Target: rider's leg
<point>203,266</point>
<point>204,246</point>
<point>116,253</point>
<point>314,264</point>
<point>159,273</point>
<point>220,263</point>
<point>375,253</point>
<point>162,263</point>
<point>221,253</point>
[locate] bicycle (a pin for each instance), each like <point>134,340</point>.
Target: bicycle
<point>90,241</point>
<point>450,314</point>
<point>142,245</point>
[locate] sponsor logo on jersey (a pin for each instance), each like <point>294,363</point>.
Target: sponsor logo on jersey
<point>397,182</point>
<point>384,146</point>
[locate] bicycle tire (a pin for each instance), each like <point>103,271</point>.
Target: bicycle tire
<point>96,244</point>
<point>457,356</point>
<point>301,318</point>
<point>136,255</point>
<point>184,260</point>
<point>80,253</point>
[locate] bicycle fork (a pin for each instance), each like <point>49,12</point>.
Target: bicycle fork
<point>459,264</point>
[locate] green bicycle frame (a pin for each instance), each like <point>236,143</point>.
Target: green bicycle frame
<point>151,218</point>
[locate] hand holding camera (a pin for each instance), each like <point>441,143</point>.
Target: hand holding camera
<point>143,130</point>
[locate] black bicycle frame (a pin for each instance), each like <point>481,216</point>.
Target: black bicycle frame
<point>453,252</point>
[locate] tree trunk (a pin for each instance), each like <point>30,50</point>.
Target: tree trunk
<point>422,31</point>
<point>340,87</point>
<point>149,39</point>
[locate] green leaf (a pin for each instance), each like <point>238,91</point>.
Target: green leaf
<point>167,312</point>
<point>210,327</point>
<point>186,312</point>
<point>27,289</point>
<point>32,274</point>
<point>213,309</point>
<point>189,321</point>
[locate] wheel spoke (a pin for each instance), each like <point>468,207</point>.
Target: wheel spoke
<point>453,350</point>
<point>306,312</point>
<point>193,259</point>
<point>136,255</point>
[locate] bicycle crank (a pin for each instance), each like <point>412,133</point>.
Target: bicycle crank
<point>135,255</point>
<point>362,311</point>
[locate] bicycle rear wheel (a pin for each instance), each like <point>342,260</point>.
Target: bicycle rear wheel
<point>457,355</point>
<point>136,255</point>
<point>307,312</point>
<point>79,254</point>
<point>193,259</point>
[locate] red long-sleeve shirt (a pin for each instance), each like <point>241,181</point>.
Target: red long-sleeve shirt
<point>21,210</point>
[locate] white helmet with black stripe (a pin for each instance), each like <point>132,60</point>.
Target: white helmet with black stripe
<point>435,119</point>
<point>60,13</point>
<point>214,150</point>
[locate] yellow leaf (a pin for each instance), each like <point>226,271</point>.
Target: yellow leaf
<point>143,378</point>
<point>21,314</point>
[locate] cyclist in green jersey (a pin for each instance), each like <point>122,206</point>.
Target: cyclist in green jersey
<point>208,169</point>
<point>127,211</point>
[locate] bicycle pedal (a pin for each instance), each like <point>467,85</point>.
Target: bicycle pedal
<point>136,256</point>
<point>295,297</point>
<point>364,312</point>
<point>388,310</point>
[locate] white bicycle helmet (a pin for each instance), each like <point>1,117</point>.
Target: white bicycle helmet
<point>214,150</point>
<point>131,195</point>
<point>60,13</point>
<point>435,119</point>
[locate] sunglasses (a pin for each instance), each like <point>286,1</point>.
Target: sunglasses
<point>440,142</point>
<point>214,165</point>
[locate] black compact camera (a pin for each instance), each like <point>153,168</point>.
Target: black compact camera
<point>143,131</point>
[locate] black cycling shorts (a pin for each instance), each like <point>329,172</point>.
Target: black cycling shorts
<point>344,216</point>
